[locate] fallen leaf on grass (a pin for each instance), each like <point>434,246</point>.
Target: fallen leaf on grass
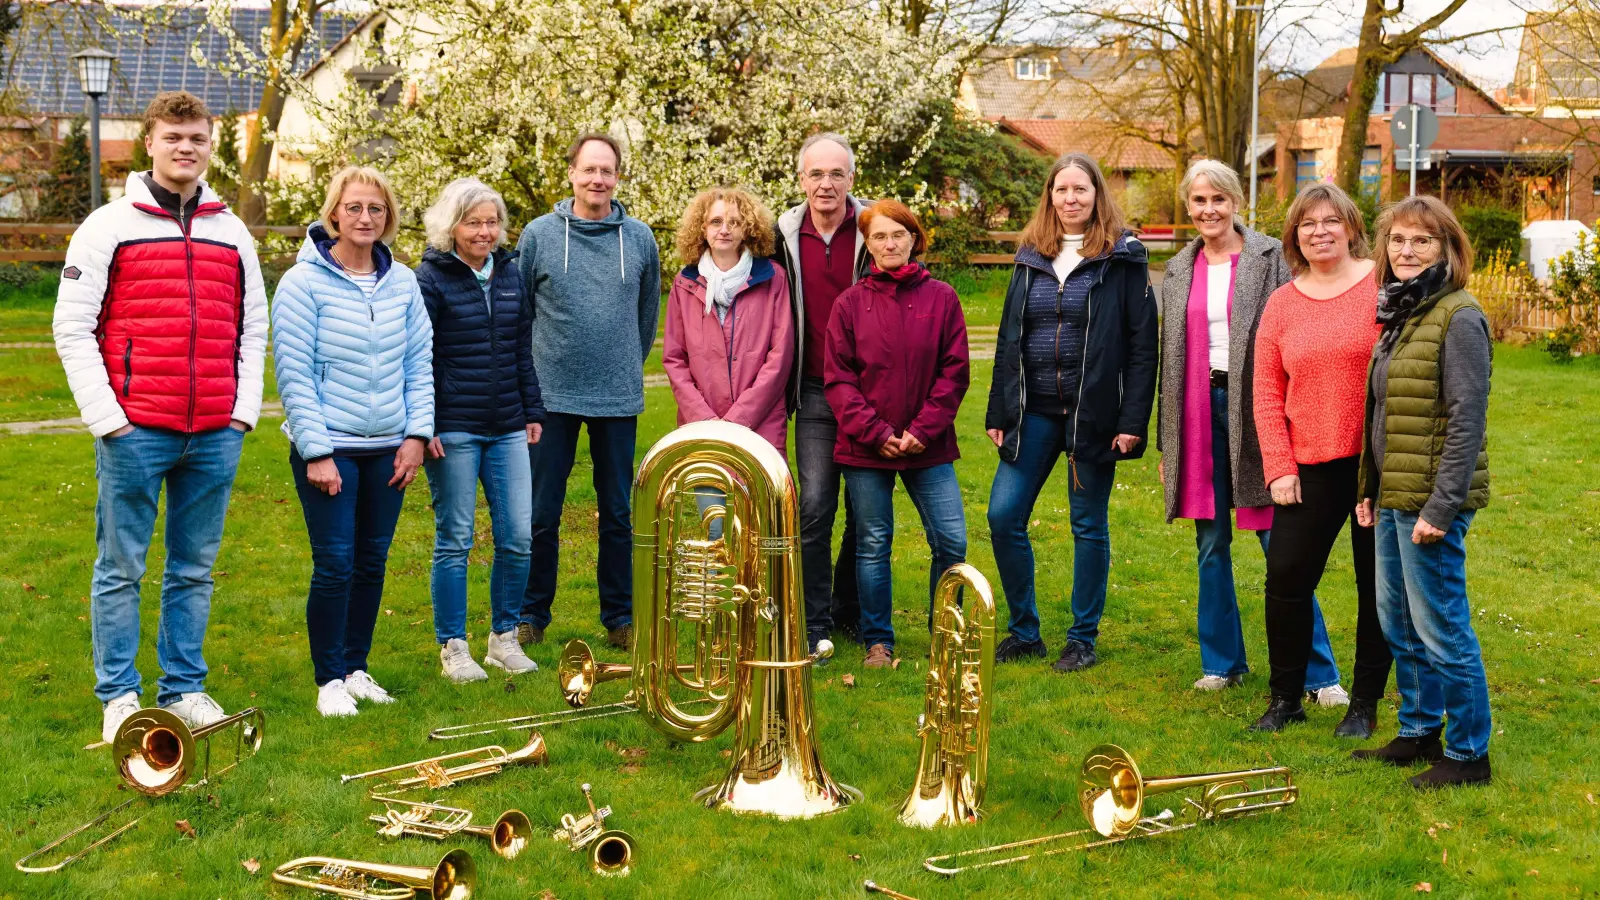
<point>212,799</point>
<point>631,768</point>
<point>417,622</point>
<point>1590,797</point>
<point>1444,826</point>
<point>388,612</point>
<point>847,680</point>
<point>27,587</point>
<point>1433,832</point>
<point>1594,681</point>
<point>250,865</point>
<point>896,663</point>
<point>281,500</point>
<point>634,753</point>
<point>725,754</point>
<point>510,688</point>
<point>1423,887</point>
<point>185,829</point>
<point>1445,859</point>
<point>855,857</point>
<point>546,895</point>
<point>1533,873</point>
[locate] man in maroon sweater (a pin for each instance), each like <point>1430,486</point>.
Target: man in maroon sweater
<point>822,253</point>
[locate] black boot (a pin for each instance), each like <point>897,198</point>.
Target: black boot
<point>1360,718</point>
<point>1403,751</point>
<point>1452,772</point>
<point>1280,712</point>
<point>1013,648</point>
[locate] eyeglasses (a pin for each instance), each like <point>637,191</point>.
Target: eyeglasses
<point>885,237</point>
<point>597,171</point>
<point>837,176</point>
<point>375,210</point>
<point>477,224</point>
<point>1422,243</point>
<point>1332,223</point>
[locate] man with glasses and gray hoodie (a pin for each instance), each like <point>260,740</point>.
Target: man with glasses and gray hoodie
<point>822,253</point>
<point>592,274</point>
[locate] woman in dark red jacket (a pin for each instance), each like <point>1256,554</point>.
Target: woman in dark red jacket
<point>896,367</point>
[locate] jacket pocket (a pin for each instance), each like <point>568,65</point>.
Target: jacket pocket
<point>127,367</point>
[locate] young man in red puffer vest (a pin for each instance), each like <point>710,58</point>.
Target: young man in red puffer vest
<point>161,324</point>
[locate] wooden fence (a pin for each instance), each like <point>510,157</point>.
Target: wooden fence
<point>1512,303</point>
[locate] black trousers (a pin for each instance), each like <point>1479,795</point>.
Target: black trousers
<point>1302,537</point>
<point>830,589</point>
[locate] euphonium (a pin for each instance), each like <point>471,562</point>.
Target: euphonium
<point>610,850</point>
<point>728,570</point>
<point>1111,793</point>
<point>480,762</point>
<point>507,837</point>
<point>954,726</point>
<point>455,877</point>
<point>155,753</point>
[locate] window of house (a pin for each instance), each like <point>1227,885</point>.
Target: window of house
<point>1371,169</point>
<point>1595,186</point>
<point>1399,92</point>
<point>1398,89</point>
<point>1305,167</point>
<point>1031,69</point>
<point>1444,95</point>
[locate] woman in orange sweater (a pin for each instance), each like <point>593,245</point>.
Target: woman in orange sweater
<point>1312,348</point>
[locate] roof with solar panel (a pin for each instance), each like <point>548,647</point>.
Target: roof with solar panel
<point>151,58</point>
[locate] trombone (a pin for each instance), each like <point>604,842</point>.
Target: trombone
<point>481,762</point>
<point>1111,793</point>
<point>455,877</point>
<point>610,850</point>
<point>508,836</point>
<point>952,770</point>
<point>155,753</point>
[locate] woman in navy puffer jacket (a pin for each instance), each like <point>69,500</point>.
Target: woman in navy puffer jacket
<point>488,411</point>
<point>353,351</point>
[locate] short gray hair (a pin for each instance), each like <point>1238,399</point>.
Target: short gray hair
<point>1220,174</point>
<point>819,137</point>
<point>458,198</point>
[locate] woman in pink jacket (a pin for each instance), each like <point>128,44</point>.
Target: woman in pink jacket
<point>729,343</point>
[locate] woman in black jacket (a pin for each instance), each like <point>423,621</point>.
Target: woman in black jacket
<point>487,412</point>
<point>1074,374</point>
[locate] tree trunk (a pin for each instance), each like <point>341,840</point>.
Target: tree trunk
<point>258,156</point>
<point>1371,57</point>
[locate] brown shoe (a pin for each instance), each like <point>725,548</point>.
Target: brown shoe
<point>621,637</point>
<point>527,634</point>
<point>879,656</point>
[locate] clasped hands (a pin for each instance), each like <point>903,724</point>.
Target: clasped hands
<point>906,444</point>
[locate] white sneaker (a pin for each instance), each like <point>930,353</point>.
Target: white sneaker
<point>334,700</point>
<point>1218,682</point>
<point>117,711</point>
<point>1329,696</point>
<point>459,666</point>
<point>196,710</point>
<point>506,653</point>
<point>360,685</point>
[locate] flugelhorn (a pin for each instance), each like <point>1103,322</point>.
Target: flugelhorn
<point>155,753</point>
<point>455,877</point>
<point>952,770</point>
<point>610,850</point>
<point>480,762</point>
<point>1111,793</point>
<point>507,837</point>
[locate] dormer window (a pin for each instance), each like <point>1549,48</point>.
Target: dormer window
<point>1032,69</point>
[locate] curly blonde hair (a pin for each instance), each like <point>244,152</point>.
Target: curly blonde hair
<point>758,236</point>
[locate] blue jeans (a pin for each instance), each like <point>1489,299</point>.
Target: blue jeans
<point>350,534</point>
<point>198,470</point>
<point>1222,650</point>
<point>501,463</point>
<point>1422,603</point>
<point>611,443</point>
<point>937,496</point>
<point>1011,498</point>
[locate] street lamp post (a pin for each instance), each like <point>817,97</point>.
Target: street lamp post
<point>94,79</point>
<point>1255,97</point>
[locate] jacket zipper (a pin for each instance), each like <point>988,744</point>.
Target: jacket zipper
<point>1061,290</point>
<point>1083,373</point>
<point>194,318</point>
<point>127,368</point>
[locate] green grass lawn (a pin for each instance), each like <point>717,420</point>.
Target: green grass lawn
<point>1358,830</point>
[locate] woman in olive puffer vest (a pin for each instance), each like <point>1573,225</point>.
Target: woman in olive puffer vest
<point>1424,474</point>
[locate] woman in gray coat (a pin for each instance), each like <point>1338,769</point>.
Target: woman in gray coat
<point>1211,302</point>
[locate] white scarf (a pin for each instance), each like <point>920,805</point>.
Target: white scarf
<point>722,286</point>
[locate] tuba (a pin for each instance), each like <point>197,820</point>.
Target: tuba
<point>455,877</point>
<point>722,575</point>
<point>1111,793</point>
<point>954,725</point>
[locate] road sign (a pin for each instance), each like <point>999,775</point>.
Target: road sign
<point>1414,128</point>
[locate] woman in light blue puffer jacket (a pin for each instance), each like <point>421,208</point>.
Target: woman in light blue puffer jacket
<point>353,351</point>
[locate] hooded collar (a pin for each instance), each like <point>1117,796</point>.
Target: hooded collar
<point>761,270</point>
<point>451,262</point>
<point>318,248</point>
<point>1127,248</point>
<point>138,191</point>
<point>612,221</point>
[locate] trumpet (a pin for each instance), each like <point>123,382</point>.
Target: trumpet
<point>481,762</point>
<point>508,836</point>
<point>155,753</point>
<point>455,877</point>
<point>610,851</point>
<point>952,771</point>
<point>1111,793</point>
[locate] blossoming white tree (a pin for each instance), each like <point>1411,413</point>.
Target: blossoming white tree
<point>700,92</point>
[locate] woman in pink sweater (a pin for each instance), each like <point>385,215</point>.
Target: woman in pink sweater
<point>729,344</point>
<point>1311,355</point>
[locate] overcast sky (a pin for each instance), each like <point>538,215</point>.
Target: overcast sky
<point>1489,60</point>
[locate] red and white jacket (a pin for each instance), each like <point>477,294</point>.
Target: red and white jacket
<point>158,325</point>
